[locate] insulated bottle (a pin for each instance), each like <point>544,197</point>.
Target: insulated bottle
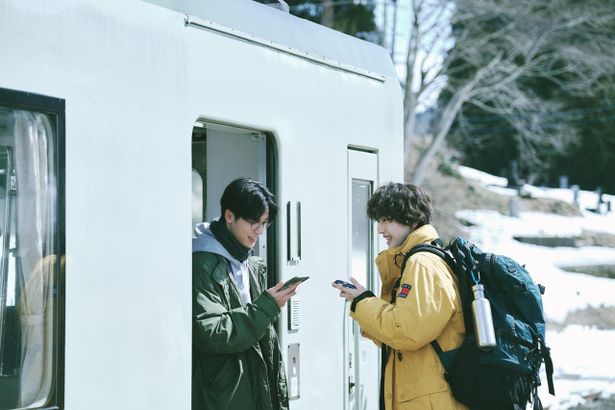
<point>483,321</point>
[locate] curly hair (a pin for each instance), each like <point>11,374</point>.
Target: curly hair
<point>406,204</point>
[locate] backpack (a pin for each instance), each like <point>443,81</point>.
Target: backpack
<point>506,377</point>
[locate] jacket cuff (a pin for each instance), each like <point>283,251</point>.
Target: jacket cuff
<point>357,299</point>
<point>267,303</point>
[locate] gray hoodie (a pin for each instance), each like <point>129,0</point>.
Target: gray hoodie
<point>205,241</point>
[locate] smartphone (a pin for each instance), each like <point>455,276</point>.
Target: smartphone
<point>345,284</point>
<point>290,282</point>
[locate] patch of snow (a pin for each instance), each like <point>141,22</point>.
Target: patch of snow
<point>581,366</point>
<point>482,177</point>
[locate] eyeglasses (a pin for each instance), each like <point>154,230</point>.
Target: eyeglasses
<point>258,225</point>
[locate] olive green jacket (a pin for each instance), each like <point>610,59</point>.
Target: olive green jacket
<point>236,358</point>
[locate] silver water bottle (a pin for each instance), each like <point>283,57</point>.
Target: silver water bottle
<point>483,321</point>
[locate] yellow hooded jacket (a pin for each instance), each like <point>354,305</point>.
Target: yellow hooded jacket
<point>427,308</point>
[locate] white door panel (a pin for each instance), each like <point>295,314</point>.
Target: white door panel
<point>362,355</point>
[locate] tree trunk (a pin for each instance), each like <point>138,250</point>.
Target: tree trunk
<point>410,96</point>
<point>460,96</point>
<point>328,15</point>
<point>448,116</point>
<point>385,25</point>
<point>409,121</point>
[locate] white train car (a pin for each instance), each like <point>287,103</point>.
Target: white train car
<point>120,124</point>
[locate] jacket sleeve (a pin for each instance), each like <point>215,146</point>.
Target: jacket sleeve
<point>219,330</point>
<point>370,337</point>
<point>416,319</point>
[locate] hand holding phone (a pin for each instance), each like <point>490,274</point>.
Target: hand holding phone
<point>290,282</point>
<point>345,284</point>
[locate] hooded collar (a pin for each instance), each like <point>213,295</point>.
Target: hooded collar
<point>205,241</point>
<point>385,261</point>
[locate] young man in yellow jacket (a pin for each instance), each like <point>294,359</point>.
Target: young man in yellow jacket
<point>405,319</point>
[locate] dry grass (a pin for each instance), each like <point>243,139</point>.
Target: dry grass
<point>449,193</point>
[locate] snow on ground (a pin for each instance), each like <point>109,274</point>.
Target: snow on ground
<point>483,177</point>
<point>580,354</point>
<point>582,366</point>
<point>586,199</point>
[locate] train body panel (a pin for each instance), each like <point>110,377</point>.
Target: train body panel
<point>140,87</point>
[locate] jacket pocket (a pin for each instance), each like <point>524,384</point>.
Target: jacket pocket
<point>221,370</point>
<point>418,373</point>
<point>411,390</point>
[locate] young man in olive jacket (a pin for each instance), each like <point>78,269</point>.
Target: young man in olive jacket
<point>427,304</point>
<point>236,358</point>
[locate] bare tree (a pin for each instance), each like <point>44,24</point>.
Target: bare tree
<point>491,47</point>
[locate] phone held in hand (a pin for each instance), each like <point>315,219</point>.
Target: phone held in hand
<point>290,282</point>
<point>345,284</point>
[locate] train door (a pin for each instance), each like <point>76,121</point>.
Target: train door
<point>221,154</point>
<point>361,355</point>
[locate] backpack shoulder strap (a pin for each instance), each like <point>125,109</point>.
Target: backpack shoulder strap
<point>434,247</point>
<point>424,247</point>
<point>446,358</point>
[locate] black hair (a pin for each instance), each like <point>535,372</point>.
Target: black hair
<point>248,199</point>
<point>406,204</point>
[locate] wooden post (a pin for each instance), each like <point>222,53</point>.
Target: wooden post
<point>575,195</point>
<point>513,207</point>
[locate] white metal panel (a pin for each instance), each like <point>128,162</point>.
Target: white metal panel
<point>264,22</point>
<point>128,255</point>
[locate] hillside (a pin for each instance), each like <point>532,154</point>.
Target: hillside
<point>450,192</point>
<point>578,389</point>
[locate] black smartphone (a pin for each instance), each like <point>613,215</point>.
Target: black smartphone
<point>345,284</point>
<point>290,282</point>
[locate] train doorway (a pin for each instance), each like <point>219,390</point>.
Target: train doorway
<point>220,154</point>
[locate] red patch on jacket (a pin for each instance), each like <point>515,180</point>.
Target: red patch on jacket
<point>405,289</point>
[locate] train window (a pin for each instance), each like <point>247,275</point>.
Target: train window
<point>361,233</point>
<point>30,261</point>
